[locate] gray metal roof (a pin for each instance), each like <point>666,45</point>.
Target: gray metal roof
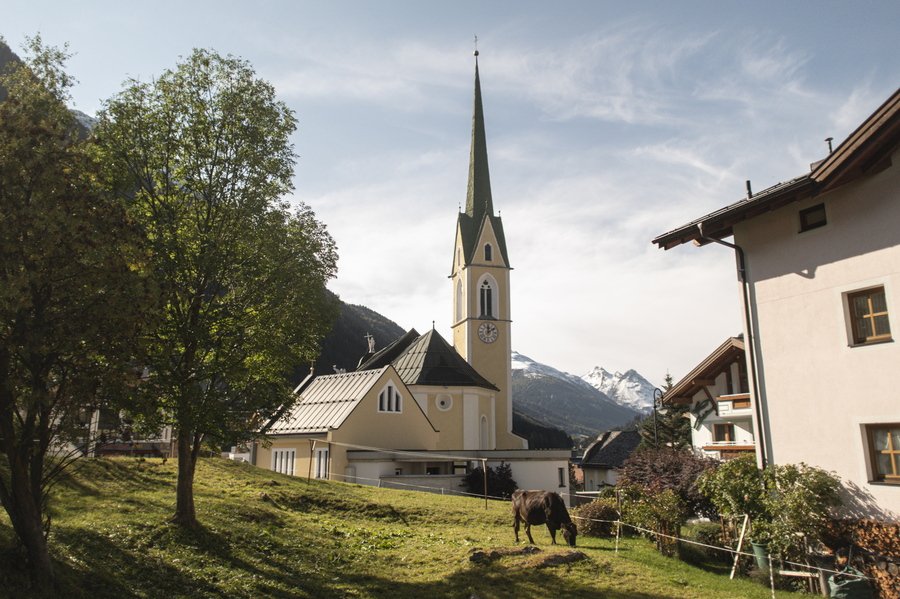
<point>327,402</point>
<point>611,449</point>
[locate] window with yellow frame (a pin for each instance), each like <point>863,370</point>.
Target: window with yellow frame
<point>884,447</point>
<point>869,316</point>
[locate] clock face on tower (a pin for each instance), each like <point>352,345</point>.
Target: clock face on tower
<point>487,332</point>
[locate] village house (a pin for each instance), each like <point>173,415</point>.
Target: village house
<point>604,458</point>
<point>420,412</point>
<point>818,261</point>
<point>718,394</point>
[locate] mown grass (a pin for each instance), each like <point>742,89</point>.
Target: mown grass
<point>267,535</point>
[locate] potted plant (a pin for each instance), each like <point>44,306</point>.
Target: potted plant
<point>760,537</point>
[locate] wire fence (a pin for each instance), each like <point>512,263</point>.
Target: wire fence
<point>619,523</point>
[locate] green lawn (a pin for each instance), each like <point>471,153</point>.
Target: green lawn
<point>268,535</point>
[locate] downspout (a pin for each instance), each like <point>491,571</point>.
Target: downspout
<point>751,344</point>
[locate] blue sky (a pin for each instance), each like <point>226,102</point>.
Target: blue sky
<point>608,123</point>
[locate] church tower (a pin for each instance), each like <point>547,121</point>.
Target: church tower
<point>480,277</point>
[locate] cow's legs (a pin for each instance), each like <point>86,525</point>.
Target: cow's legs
<point>528,532</point>
<point>516,527</point>
<point>552,534</point>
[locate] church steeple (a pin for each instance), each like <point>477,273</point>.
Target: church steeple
<point>479,212</point>
<point>478,197</point>
<point>481,292</point>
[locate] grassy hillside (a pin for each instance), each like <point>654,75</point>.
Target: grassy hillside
<point>267,535</point>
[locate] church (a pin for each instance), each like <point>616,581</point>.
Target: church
<point>420,413</point>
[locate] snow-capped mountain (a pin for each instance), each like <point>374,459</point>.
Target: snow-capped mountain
<point>627,389</point>
<point>533,369</point>
<point>563,400</point>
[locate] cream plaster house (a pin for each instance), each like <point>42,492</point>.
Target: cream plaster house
<point>604,458</point>
<point>419,413</point>
<point>718,394</point>
<point>819,264</point>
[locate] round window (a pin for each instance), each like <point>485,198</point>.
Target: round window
<point>444,402</point>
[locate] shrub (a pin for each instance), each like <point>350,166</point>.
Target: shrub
<point>599,509</point>
<point>663,512</point>
<point>789,504</point>
<point>798,499</point>
<point>657,470</point>
<point>707,533</point>
<point>735,487</point>
<point>500,482</point>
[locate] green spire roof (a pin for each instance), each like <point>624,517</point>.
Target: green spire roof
<point>479,204</point>
<point>478,197</point>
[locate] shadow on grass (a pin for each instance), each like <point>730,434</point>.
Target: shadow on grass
<point>485,582</point>
<point>124,572</point>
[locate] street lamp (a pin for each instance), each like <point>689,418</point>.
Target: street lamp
<point>657,409</point>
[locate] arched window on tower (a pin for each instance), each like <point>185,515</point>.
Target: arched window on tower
<point>488,252</point>
<point>459,301</point>
<point>487,300</point>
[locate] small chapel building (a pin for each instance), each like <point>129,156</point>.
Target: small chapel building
<point>420,413</point>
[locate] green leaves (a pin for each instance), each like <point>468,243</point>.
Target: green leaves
<point>789,504</point>
<point>74,295</point>
<point>204,155</point>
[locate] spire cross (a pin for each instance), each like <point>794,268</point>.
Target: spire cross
<point>476,46</point>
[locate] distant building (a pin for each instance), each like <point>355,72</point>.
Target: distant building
<point>420,412</point>
<point>718,395</point>
<point>604,458</point>
<point>819,264</point>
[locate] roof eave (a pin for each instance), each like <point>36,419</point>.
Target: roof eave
<point>720,224</point>
<point>683,390</point>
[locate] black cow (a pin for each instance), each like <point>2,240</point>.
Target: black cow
<point>542,507</point>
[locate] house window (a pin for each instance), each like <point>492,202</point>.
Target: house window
<point>869,316</point>
<point>283,461</point>
<point>561,472</point>
<point>723,433</point>
<point>322,463</point>
<point>488,252</point>
<point>487,299</point>
<point>389,400</point>
<point>812,218</point>
<point>884,445</point>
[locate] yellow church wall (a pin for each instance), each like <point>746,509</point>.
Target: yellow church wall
<point>407,429</point>
<point>299,443</point>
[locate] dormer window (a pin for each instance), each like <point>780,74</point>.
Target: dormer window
<point>390,400</point>
<point>487,300</point>
<point>488,252</point>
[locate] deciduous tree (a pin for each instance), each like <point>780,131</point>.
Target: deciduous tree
<point>72,295</point>
<point>207,153</point>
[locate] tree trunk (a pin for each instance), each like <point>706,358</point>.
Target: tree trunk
<point>25,514</point>
<point>21,493</point>
<point>185,514</point>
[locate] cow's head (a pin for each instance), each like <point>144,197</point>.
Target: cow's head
<point>570,531</point>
